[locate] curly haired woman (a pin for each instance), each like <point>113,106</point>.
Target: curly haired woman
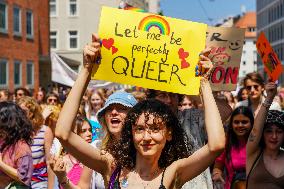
<point>145,171</point>
<point>16,164</point>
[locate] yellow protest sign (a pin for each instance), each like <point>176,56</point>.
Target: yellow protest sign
<point>150,51</point>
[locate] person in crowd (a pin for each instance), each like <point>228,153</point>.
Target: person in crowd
<point>42,141</point>
<point>242,94</point>
<point>144,167</point>
<point>233,159</point>
<point>40,96</point>
<point>111,117</point>
<point>254,84</point>
<point>230,98</point>
<point>52,99</point>
<point>139,95</point>
<point>21,92</point>
<point>192,121</point>
<point>16,166</point>
<point>265,158</point>
<point>187,103</point>
<point>4,95</point>
<point>96,102</point>
<point>72,165</point>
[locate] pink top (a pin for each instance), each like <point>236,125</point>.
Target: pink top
<point>237,162</point>
<point>20,158</point>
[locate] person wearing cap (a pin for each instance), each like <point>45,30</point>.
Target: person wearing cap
<point>265,158</point>
<point>110,116</point>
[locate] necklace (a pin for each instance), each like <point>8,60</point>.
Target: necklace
<point>146,184</point>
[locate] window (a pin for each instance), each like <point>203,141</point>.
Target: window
<point>52,8</point>
<point>30,73</point>
<point>3,72</point>
<point>53,39</point>
<point>73,39</point>
<point>30,27</point>
<point>3,18</point>
<point>17,72</point>
<point>17,20</point>
<point>244,62</point>
<point>73,7</point>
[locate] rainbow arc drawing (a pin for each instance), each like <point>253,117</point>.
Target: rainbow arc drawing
<point>154,21</point>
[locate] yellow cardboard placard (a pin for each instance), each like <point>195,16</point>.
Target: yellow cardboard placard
<point>150,51</point>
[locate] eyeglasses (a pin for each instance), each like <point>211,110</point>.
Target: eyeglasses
<point>249,88</point>
<point>243,122</point>
<point>152,130</point>
<point>52,100</point>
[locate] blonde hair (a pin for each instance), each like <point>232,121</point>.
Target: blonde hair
<point>35,109</point>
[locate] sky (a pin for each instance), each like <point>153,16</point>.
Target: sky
<point>206,11</point>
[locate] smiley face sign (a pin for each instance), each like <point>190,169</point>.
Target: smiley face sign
<point>226,50</point>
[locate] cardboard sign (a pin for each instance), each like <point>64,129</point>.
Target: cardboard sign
<point>226,50</point>
<point>272,64</point>
<point>150,51</point>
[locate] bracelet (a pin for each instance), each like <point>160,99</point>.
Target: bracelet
<point>266,104</point>
<point>65,182</point>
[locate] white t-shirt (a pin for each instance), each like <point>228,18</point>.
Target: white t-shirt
<point>97,179</point>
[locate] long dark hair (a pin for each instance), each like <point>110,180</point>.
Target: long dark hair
<point>232,139</point>
<point>14,125</point>
<point>124,151</point>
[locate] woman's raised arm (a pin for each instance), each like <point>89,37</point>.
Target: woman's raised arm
<point>253,148</point>
<point>192,166</point>
<point>74,144</point>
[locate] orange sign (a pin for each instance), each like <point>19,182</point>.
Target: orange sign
<point>272,64</point>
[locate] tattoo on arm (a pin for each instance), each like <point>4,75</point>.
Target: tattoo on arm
<point>251,137</point>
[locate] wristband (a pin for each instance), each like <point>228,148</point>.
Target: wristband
<point>266,104</point>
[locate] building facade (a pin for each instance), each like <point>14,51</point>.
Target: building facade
<point>249,55</point>
<point>74,21</point>
<point>24,44</point>
<point>270,20</point>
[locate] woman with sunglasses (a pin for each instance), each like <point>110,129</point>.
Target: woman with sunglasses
<point>140,167</point>
<point>254,84</point>
<point>52,99</point>
<point>265,155</point>
<point>233,159</point>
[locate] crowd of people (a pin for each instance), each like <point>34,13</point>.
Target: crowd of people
<point>102,138</point>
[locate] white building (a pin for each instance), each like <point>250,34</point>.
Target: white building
<point>73,21</point>
<point>249,57</point>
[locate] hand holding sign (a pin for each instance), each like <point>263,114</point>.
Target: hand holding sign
<point>269,58</point>
<point>150,51</point>
<point>91,52</point>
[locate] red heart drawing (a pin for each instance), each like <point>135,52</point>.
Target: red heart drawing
<point>184,64</point>
<point>182,54</point>
<point>108,43</point>
<point>114,49</point>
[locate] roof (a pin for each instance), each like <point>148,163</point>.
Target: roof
<point>248,20</point>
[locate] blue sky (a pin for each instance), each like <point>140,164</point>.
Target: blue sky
<point>201,10</point>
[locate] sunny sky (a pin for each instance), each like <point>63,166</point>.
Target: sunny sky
<point>206,11</point>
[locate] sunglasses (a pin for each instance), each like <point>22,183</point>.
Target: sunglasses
<point>249,88</point>
<point>243,122</point>
<point>51,100</point>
